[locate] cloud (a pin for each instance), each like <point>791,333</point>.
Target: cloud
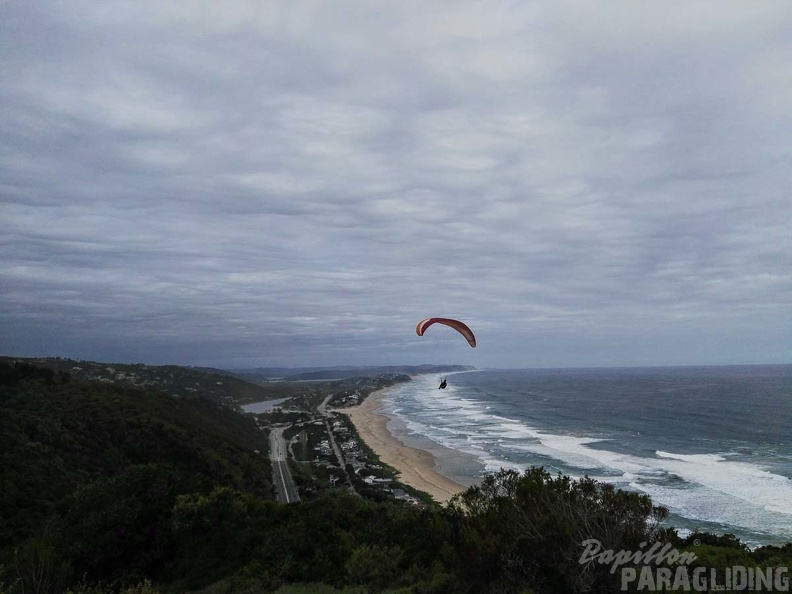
<point>277,183</point>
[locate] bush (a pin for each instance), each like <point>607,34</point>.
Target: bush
<point>516,530</point>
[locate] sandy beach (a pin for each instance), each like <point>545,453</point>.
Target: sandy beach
<point>416,467</point>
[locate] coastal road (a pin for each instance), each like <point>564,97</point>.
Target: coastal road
<point>281,475</point>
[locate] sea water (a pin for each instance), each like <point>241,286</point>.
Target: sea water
<point>712,444</point>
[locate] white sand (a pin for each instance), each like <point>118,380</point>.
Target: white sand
<point>416,467</point>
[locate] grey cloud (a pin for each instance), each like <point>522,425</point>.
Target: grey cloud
<point>289,183</point>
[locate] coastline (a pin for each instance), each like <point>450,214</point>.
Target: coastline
<point>416,467</point>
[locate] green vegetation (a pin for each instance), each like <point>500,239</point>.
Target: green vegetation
<point>90,472</point>
<point>183,382</point>
<point>109,489</point>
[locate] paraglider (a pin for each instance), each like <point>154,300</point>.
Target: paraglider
<point>460,327</point>
<point>455,324</point>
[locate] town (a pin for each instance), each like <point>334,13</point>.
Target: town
<point>321,450</point>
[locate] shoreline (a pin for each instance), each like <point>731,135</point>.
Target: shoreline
<point>415,467</point>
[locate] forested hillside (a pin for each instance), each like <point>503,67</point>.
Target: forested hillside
<point>184,382</point>
<point>97,465</point>
<point>109,489</point>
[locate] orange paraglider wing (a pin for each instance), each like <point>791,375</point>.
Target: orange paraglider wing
<point>455,324</point>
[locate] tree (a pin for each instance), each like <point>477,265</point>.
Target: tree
<point>517,530</point>
<point>374,566</point>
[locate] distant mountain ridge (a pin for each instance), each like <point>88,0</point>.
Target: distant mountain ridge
<point>231,387</point>
<point>333,373</point>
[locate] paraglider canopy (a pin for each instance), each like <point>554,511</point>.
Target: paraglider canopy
<point>455,324</point>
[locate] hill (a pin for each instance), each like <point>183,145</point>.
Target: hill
<point>107,460</point>
<point>184,382</point>
<point>105,487</point>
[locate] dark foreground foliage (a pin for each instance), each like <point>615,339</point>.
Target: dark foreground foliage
<point>111,490</point>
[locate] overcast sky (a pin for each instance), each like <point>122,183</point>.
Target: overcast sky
<point>252,183</point>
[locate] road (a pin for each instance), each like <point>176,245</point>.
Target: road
<point>281,475</point>
<point>322,409</point>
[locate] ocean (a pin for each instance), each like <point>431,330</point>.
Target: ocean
<point>712,444</point>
